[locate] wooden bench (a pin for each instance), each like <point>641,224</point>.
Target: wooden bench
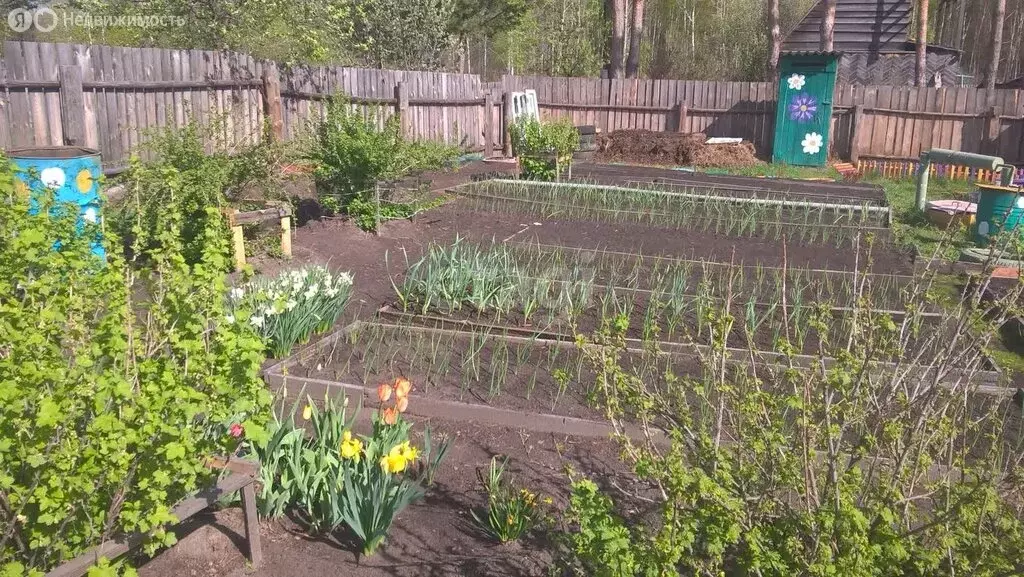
<point>277,210</point>
<point>242,476</point>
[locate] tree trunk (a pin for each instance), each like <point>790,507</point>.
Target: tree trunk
<point>774,38</point>
<point>828,25</point>
<point>616,46</point>
<point>922,43</point>
<point>992,72</point>
<point>633,60</point>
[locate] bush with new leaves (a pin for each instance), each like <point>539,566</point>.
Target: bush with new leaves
<point>881,456</point>
<point>115,383</point>
<point>544,148</point>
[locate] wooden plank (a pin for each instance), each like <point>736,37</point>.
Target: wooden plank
<point>189,507</point>
<point>6,122</point>
<point>37,99</point>
<point>20,111</point>
<point>178,96</point>
<point>72,106</point>
<point>907,142</point>
<point>114,113</point>
<point>899,121</point>
<point>149,73</point>
<point>50,71</point>
<point>133,98</point>
<point>272,99</point>
<point>885,123</point>
<point>940,106</point>
<point>123,123</point>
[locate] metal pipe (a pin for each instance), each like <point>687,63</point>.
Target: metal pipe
<point>922,180</point>
<point>737,199</point>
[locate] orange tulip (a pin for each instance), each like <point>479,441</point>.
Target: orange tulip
<point>384,392</point>
<point>402,387</point>
<point>390,416</point>
<point>402,404</point>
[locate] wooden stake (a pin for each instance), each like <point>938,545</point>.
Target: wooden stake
<point>238,242</point>
<point>272,99</point>
<point>286,235</point>
<point>252,525</point>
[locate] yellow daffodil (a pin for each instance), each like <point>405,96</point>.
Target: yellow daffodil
<point>408,452</point>
<point>307,412</point>
<point>548,500</point>
<point>351,448</point>
<point>393,462</point>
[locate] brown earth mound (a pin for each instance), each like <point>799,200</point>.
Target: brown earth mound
<point>670,148</point>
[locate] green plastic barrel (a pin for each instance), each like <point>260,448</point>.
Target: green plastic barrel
<point>999,208</point>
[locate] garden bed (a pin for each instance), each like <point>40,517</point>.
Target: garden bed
<point>502,383</point>
<point>434,537</point>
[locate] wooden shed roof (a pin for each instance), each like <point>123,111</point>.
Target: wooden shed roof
<point>861,26</point>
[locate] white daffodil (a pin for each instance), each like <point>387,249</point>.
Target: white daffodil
<point>812,143</point>
<point>290,304</point>
<point>237,293</point>
<point>270,311</point>
<point>796,81</point>
<point>256,321</point>
<point>331,292</point>
<point>344,278</point>
<point>230,319</point>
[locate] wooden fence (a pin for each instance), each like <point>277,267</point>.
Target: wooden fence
<point>892,122</point>
<point>110,98</point>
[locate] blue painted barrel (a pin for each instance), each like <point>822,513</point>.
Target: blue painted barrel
<point>72,172</point>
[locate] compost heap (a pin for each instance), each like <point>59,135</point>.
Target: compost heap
<point>670,148</point>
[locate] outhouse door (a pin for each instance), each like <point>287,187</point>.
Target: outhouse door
<point>804,114</point>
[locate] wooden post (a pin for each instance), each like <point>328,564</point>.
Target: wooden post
<point>992,130</point>
<point>855,120</point>
<point>506,115</point>
<point>252,525</point>
<point>72,105</point>
<point>286,235</point>
<point>402,108</point>
<point>272,99</point>
<point>237,241</point>
<point>682,110</point>
<point>488,124</point>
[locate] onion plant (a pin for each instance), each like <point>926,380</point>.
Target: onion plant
<point>727,215</point>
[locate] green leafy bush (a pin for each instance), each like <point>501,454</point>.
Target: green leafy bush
<point>116,383</point>
<point>354,152</point>
<point>511,512</point>
<point>335,477</point>
<point>290,308</point>
<point>544,148</point>
<point>603,543</point>
<point>187,178</point>
<point>852,462</point>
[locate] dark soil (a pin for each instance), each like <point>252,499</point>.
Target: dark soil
<point>649,147</point>
<point>375,258</point>
<point>435,537</point>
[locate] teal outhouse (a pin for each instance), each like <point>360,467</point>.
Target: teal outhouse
<point>803,115</point>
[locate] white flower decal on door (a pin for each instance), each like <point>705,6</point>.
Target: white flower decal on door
<point>812,143</point>
<point>796,81</point>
